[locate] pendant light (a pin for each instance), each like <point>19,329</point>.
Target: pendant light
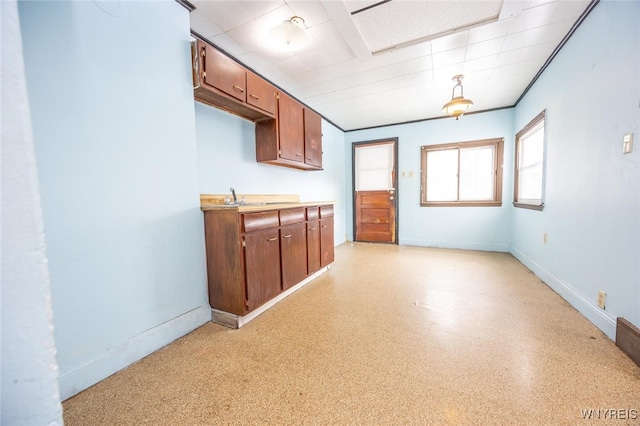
<point>458,104</point>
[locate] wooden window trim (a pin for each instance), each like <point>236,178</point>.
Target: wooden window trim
<point>498,144</point>
<point>536,120</point>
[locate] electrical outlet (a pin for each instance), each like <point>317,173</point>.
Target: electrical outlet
<point>627,143</point>
<point>544,238</point>
<point>602,298</point>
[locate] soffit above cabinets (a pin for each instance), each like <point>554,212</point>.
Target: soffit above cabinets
<point>373,63</point>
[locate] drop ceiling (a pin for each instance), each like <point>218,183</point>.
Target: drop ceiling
<point>373,63</point>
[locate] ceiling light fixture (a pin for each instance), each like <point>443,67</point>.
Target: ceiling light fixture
<point>458,104</point>
<point>290,34</point>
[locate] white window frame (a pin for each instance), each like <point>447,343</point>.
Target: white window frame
<point>534,126</point>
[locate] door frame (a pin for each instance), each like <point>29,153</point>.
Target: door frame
<point>354,145</point>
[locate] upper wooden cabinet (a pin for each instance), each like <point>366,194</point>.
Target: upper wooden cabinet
<point>293,139</point>
<point>221,82</point>
<point>290,128</point>
<point>287,133</point>
<point>312,138</point>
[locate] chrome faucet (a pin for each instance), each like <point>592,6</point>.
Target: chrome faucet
<point>233,192</point>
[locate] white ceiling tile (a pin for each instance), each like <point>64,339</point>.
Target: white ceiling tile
<point>534,17</point>
<point>293,66</point>
<point>338,53</point>
<point>506,72</point>
<point>261,7</point>
<point>310,10</point>
<point>485,48</point>
<point>449,42</point>
<point>226,14</point>
<point>228,44</point>
<point>548,33</point>
<point>315,59</point>
<point>448,57</point>
<point>442,75</point>
<point>327,33</point>
<point>479,64</point>
<point>539,51</point>
<point>571,10</point>
<point>202,25</point>
<point>488,32</point>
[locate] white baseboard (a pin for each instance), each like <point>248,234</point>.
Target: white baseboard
<point>498,247</point>
<point>116,358</point>
<point>599,317</point>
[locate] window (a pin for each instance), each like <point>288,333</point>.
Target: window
<point>462,174</point>
<point>529,173</point>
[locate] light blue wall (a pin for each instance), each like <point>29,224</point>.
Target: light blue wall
<point>227,158</point>
<point>477,228</point>
<point>113,122</point>
<point>591,92</point>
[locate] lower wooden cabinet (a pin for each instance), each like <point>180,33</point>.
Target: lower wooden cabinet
<point>262,266</point>
<point>253,257</point>
<point>313,240</point>
<point>293,247</point>
<point>327,252</point>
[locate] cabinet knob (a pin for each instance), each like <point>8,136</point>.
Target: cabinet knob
<point>286,236</point>
<point>238,88</point>
<point>272,239</point>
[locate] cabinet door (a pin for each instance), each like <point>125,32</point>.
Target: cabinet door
<point>312,138</point>
<point>260,93</point>
<point>224,74</point>
<point>262,263</point>
<point>290,128</point>
<point>293,249</point>
<point>313,246</point>
<point>327,254</point>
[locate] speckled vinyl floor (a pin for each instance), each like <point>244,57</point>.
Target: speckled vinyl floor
<point>389,336</point>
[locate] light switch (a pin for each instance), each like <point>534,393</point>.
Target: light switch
<point>627,144</point>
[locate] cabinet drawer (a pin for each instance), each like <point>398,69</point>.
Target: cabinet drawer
<point>260,93</point>
<point>224,74</point>
<point>263,220</point>
<point>312,213</point>
<point>326,211</point>
<point>291,216</point>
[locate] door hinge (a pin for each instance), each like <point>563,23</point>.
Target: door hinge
<point>244,243</point>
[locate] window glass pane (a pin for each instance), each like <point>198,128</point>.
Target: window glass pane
<point>530,159</point>
<point>374,165</point>
<point>442,175</point>
<point>476,173</point>
<point>530,183</point>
